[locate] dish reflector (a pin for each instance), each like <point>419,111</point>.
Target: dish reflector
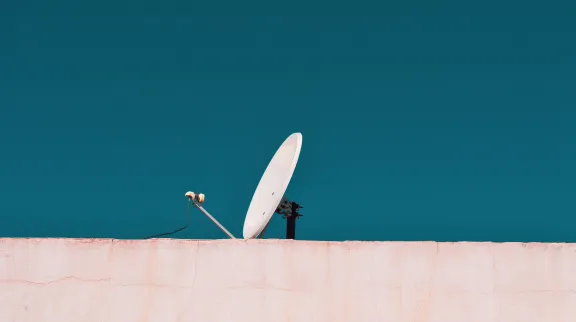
<point>272,186</point>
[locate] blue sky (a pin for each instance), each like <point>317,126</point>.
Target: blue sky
<point>421,121</point>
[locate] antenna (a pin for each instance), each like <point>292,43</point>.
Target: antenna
<point>197,200</point>
<point>272,186</point>
<point>269,195</point>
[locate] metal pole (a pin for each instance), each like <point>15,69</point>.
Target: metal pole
<point>291,222</point>
<point>214,220</point>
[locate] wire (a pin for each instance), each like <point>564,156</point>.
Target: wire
<point>177,230</point>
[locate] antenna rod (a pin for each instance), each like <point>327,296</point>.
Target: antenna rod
<point>214,220</point>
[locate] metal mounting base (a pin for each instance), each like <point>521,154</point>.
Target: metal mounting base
<point>289,211</point>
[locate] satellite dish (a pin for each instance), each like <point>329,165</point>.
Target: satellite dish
<point>269,195</point>
<point>272,186</point>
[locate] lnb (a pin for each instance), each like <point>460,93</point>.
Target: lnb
<point>199,198</point>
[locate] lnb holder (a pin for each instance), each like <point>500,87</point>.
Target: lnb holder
<point>197,198</point>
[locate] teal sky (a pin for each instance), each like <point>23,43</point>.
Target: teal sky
<point>422,120</point>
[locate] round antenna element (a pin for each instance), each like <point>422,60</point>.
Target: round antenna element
<point>272,186</point>
<point>190,195</point>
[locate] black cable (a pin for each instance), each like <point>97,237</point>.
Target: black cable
<point>177,230</point>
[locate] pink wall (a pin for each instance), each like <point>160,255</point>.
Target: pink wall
<point>90,280</point>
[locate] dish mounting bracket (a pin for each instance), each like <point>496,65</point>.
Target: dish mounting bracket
<point>289,211</point>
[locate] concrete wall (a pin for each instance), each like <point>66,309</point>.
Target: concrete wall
<point>76,280</point>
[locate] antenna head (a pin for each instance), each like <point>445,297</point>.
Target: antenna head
<point>190,195</point>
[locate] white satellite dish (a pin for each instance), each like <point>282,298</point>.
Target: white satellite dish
<point>272,186</point>
<point>269,195</point>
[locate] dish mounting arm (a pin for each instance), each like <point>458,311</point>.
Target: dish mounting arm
<point>199,199</point>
